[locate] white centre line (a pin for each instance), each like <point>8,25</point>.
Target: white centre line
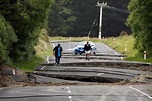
<point>43,67</point>
<point>140,92</point>
<point>100,74</point>
<point>69,91</point>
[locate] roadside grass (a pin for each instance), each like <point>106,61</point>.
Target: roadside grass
<point>123,44</point>
<point>34,61</point>
<point>30,65</point>
<point>140,59</point>
<point>43,49</point>
<point>58,38</point>
<point>75,39</point>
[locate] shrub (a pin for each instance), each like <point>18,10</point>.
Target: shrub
<point>7,37</point>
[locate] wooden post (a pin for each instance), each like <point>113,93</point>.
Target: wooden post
<point>114,41</point>
<point>125,48</point>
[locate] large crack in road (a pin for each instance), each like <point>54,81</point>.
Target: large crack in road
<point>106,66</point>
<point>95,71</point>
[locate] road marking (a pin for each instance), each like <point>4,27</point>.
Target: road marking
<point>141,92</point>
<point>70,49</point>
<point>109,48</point>
<point>53,44</point>
<point>1,88</point>
<point>100,74</point>
<point>47,59</point>
<point>69,91</point>
<point>70,97</point>
<point>43,67</point>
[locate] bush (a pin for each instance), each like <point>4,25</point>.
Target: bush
<point>7,37</point>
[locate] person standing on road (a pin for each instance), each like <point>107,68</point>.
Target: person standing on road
<point>87,49</point>
<point>57,53</point>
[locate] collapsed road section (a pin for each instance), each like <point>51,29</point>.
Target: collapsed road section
<point>87,74</point>
<point>106,66</point>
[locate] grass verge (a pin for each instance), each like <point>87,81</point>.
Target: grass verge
<point>43,49</point>
<point>123,44</point>
<point>34,61</point>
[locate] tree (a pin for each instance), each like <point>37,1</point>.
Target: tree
<point>26,18</point>
<point>141,24</point>
<point>7,38</point>
<point>60,18</point>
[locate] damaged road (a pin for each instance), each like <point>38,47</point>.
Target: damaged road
<point>105,77</point>
<point>106,66</point>
<point>92,72</point>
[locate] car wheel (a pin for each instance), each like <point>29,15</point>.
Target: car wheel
<point>76,53</point>
<point>80,53</point>
<point>94,52</point>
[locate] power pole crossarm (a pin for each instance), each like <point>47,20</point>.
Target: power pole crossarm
<point>104,5</point>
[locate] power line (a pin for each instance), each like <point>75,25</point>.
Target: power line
<point>117,9</point>
<point>114,15</point>
<point>92,26</point>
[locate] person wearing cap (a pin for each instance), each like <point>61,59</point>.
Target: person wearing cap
<point>57,53</point>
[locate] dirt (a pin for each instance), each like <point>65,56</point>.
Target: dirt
<point>26,79</point>
<point>6,80</point>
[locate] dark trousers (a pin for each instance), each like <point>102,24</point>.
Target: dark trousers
<point>57,60</point>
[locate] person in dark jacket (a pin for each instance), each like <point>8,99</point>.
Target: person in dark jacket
<point>87,49</point>
<point>57,52</point>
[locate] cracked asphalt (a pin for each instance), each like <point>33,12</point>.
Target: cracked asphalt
<point>106,77</point>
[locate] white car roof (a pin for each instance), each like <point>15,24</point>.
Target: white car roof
<point>84,42</point>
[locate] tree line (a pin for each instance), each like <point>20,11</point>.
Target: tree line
<point>77,18</point>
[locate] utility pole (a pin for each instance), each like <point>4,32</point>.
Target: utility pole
<point>101,5</point>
